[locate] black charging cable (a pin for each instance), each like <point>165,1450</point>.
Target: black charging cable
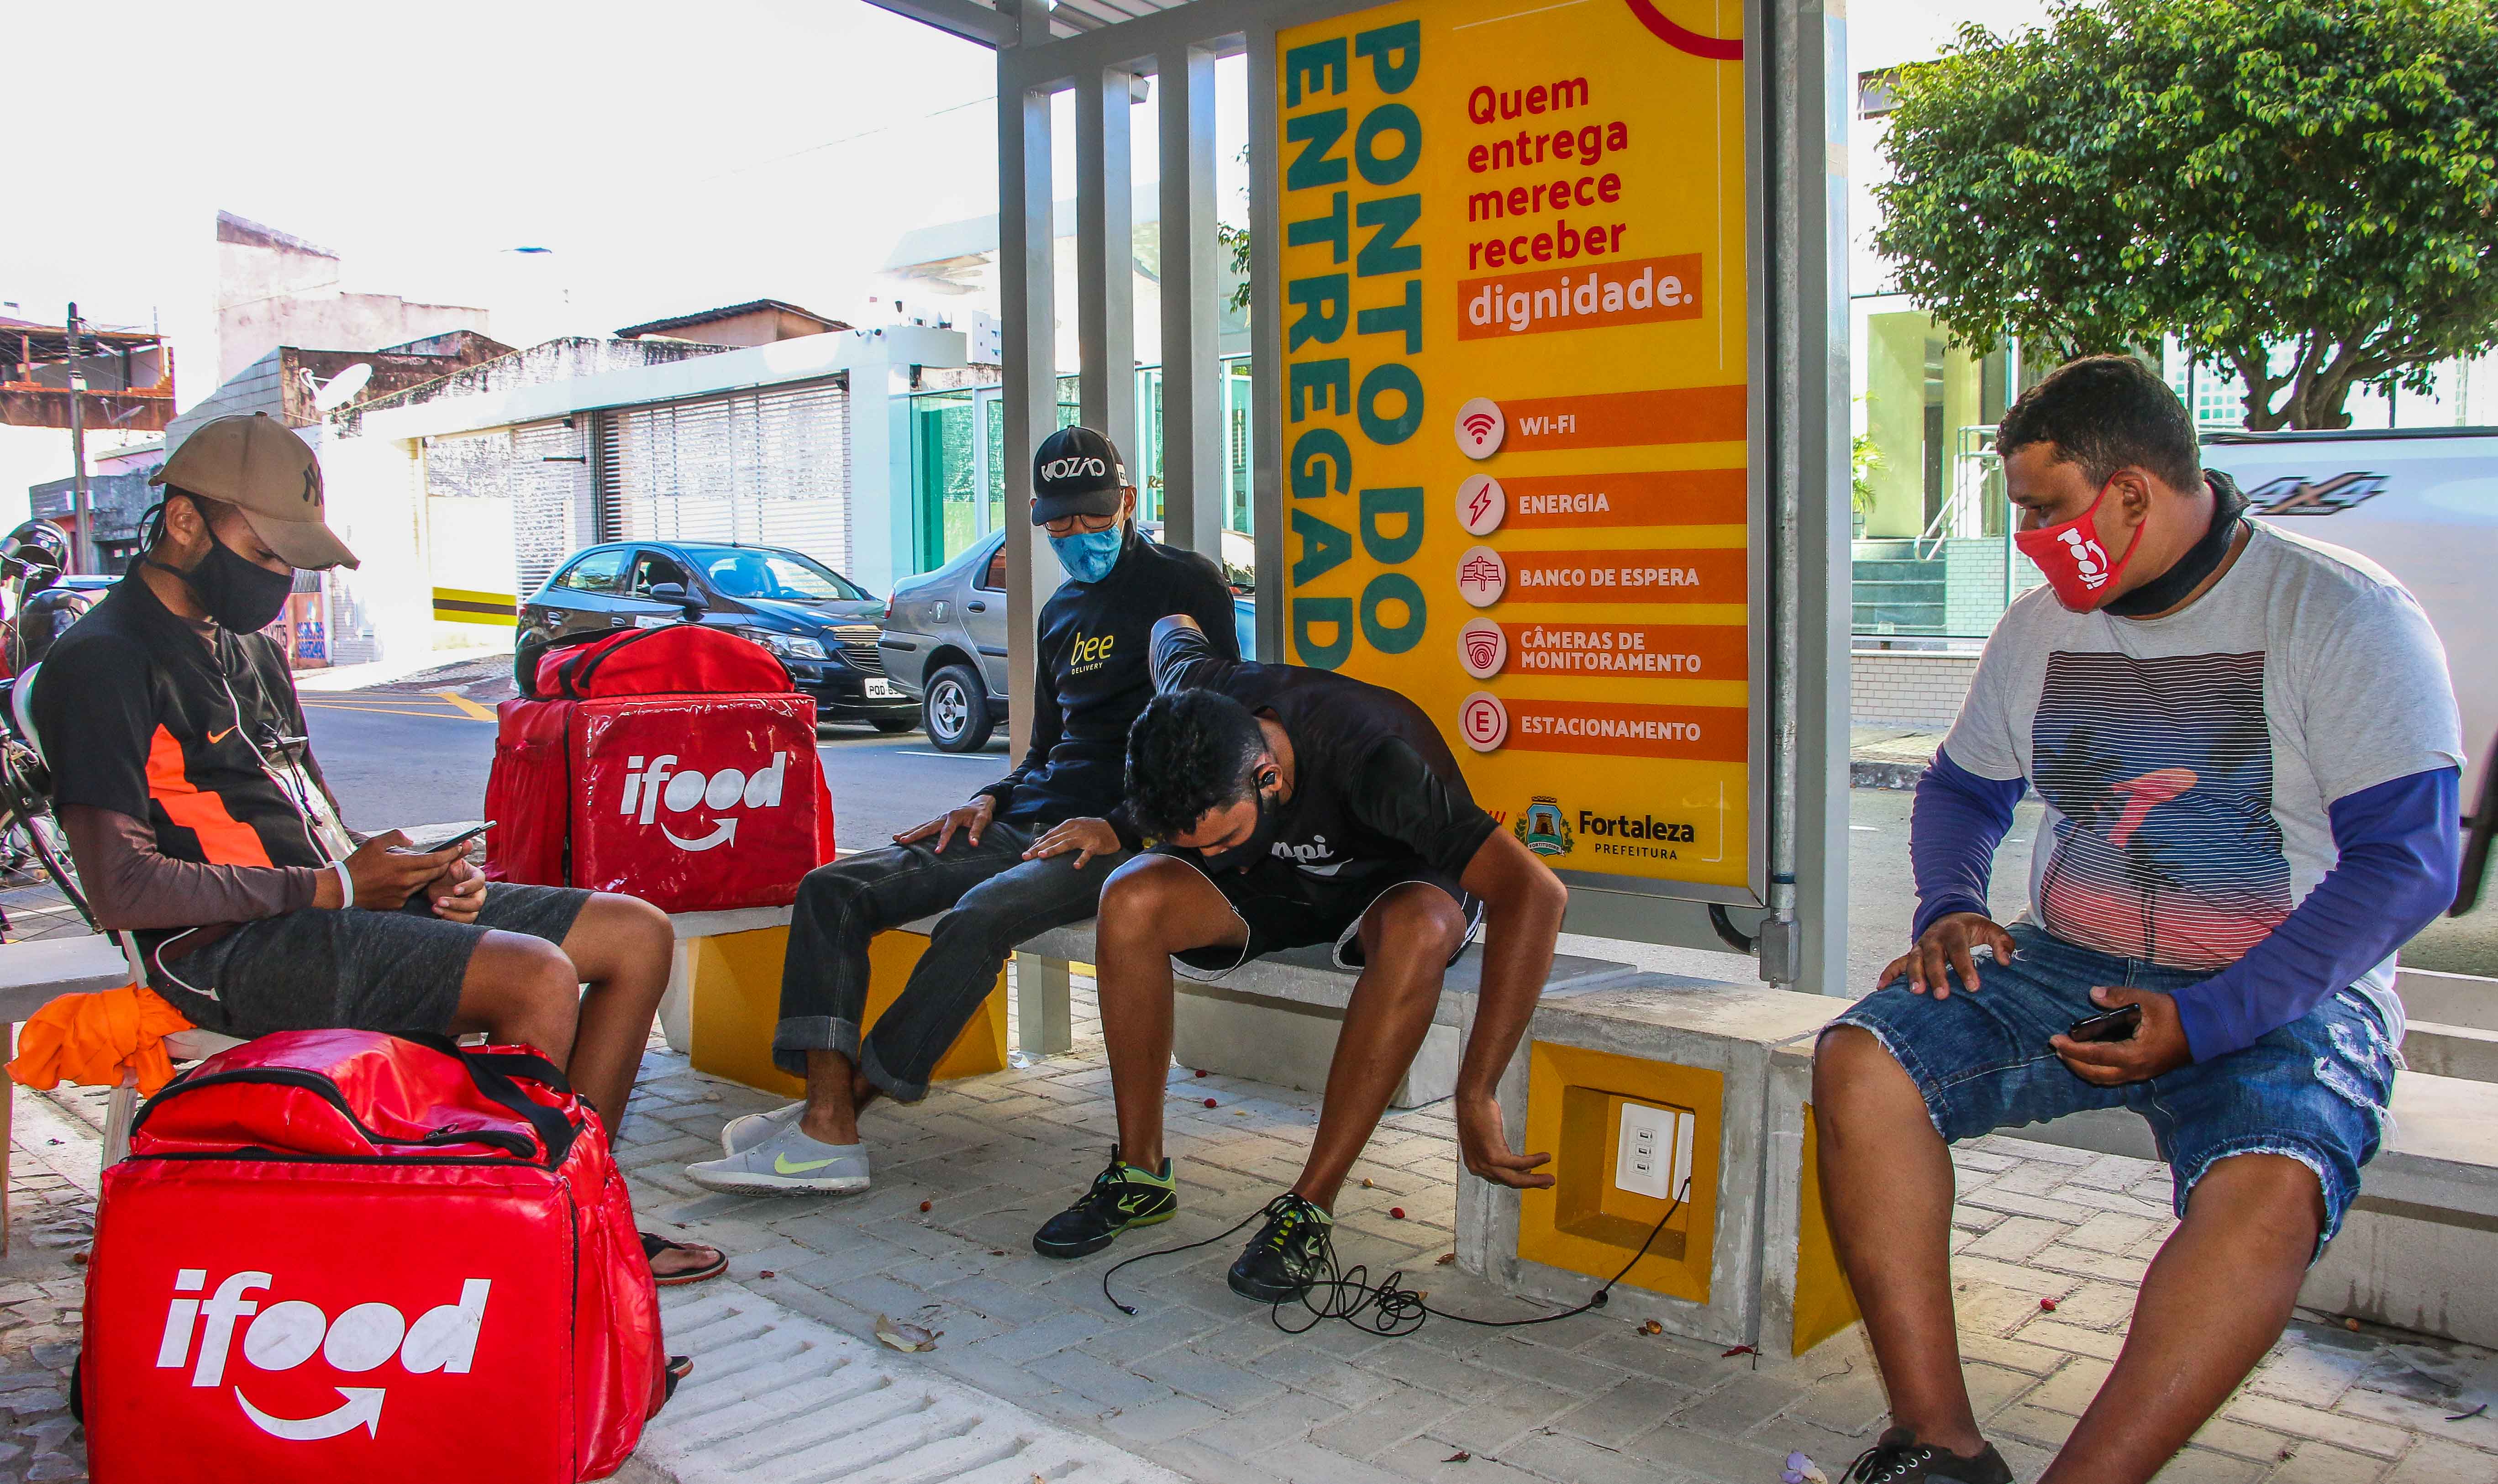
<point>1388,1308</point>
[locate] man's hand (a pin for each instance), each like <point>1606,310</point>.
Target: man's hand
<point>1483,1144</point>
<point>386,873</point>
<point>2157,1048</point>
<point>459,892</point>
<point>970,819</point>
<point>1087,838</point>
<point>1946,944</point>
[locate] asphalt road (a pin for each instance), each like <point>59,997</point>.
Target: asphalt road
<point>414,758</point>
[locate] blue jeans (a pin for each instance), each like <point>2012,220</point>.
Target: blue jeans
<point>992,898</point>
<point>2314,1090</point>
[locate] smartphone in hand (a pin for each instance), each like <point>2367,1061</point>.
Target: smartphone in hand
<point>2117,1024</point>
<point>444,837</point>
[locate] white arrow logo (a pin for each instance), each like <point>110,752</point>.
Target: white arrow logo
<point>362,1409</point>
<point>723,834</point>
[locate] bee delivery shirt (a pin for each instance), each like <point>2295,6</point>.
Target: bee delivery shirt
<point>1092,680</point>
<point>2199,770</point>
<point>1375,790</point>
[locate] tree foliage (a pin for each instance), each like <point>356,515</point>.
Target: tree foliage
<point>2304,191</point>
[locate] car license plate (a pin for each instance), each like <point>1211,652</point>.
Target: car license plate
<point>883,689</point>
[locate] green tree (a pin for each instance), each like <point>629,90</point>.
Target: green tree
<point>2303,191</point>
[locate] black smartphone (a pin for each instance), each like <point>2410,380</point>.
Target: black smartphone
<point>446,837</point>
<point>2117,1024</point>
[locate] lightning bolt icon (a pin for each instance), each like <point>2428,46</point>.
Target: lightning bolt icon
<point>1480,502</point>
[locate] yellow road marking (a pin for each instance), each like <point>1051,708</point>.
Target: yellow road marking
<point>440,716</point>
<point>476,711</point>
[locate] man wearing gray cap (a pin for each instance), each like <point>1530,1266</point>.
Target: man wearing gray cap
<point>1027,853</point>
<point>200,824</point>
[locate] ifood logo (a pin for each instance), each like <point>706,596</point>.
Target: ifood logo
<point>288,1334</point>
<point>646,788</point>
<point>1069,468</point>
<point>2089,557</point>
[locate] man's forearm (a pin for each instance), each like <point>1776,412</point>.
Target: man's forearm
<point>134,886</point>
<point>1954,825</point>
<point>1517,958</point>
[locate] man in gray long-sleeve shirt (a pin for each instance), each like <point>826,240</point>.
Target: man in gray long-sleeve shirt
<point>201,825</point>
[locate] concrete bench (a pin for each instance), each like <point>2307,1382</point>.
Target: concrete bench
<point>1272,1020</point>
<point>2414,1253</point>
<point>2453,1023</point>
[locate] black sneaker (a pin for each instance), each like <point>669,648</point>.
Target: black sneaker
<point>1897,1458</point>
<point>1289,1254</point>
<point>1122,1197</point>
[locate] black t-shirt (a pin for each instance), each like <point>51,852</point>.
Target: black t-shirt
<point>1375,790</point>
<point>137,716</point>
<point>1093,678</point>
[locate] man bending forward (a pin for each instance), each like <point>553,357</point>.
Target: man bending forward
<point>1298,807</point>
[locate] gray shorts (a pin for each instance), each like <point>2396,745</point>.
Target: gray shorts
<point>353,970</point>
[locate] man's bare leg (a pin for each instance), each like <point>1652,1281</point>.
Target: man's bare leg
<point>2216,1298</point>
<point>837,1092</point>
<point>1406,940</point>
<point>1151,908</point>
<point>1887,1182</point>
<point>620,948</point>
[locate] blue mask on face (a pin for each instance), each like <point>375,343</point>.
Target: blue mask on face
<point>1089,555</point>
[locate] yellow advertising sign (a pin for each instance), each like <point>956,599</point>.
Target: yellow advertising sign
<point>1516,420</point>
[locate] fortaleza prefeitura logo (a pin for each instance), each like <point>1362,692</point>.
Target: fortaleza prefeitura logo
<point>1541,828</point>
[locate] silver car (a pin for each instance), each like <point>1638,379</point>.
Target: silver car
<point>944,643</point>
<point>945,639</point>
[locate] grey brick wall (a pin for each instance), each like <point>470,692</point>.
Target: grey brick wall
<point>1907,688</point>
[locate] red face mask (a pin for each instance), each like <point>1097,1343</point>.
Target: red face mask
<point>2076,564</point>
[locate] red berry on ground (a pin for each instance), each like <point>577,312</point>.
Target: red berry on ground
<point>1200,1071</point>
<point>924,1204</point>
<point>1209,1102</point>
<point>2049,1304</point>
<point>1396,1213</point>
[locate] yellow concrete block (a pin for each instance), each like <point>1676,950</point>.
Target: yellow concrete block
<point>1824,1303</point>
<point>1588,1224</point>
<point>734,984</point>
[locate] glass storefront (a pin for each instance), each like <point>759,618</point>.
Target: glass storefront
<point>958,452</point>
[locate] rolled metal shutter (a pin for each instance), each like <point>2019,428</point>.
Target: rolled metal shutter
<point>769,468</point>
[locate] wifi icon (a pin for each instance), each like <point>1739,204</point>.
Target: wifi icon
<point>1480,428</point>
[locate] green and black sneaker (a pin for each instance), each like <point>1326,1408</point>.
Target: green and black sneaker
<point>1289,1254</point>
<point>1122,1197</point>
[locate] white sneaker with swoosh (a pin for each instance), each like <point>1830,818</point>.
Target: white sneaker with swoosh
<point>788,1163</point>
<point>737,1135</point>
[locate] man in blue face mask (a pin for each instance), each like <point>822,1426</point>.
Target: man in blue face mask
<point>1027,853</point>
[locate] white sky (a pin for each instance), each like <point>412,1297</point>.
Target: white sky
<point>675,159</point>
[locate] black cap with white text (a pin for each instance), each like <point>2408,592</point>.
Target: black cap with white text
<point>1077,472</point>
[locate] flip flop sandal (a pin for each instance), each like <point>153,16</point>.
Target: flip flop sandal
<point>680,1367</point>
<point>653,1244</point>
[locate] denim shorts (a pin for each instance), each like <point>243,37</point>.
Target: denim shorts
<point>2314,1090</point>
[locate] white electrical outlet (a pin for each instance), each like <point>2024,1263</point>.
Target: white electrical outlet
<point>1655,1153</point>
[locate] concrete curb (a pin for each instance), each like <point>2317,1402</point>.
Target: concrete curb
<point>1883,773</point>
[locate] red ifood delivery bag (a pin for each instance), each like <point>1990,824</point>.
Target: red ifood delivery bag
<point>694,801</point>
<point>342,1255</point>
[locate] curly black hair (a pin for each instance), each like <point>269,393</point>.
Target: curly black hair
<point>2104,413</point>
<point>1189,752</point>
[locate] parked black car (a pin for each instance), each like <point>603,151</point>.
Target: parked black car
<point>823,625</point>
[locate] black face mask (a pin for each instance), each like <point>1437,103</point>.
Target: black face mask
<point>2201,559</point>
<point>241,595</point>
<point>1261,835</point>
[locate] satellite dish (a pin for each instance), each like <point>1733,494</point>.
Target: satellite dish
<point>341,389</point>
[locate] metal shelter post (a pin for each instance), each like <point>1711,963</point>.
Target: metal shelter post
<point>1028,296</point>
<point>1193,441</point>
<point>1805,150</point>
<point>1105,253</point>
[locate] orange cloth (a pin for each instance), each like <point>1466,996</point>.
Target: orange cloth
<point>93,1039</point>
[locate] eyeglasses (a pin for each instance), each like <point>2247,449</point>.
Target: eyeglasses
<point>1068,524</point>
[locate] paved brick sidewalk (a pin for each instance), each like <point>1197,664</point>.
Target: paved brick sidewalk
<point>1205,1384</point>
